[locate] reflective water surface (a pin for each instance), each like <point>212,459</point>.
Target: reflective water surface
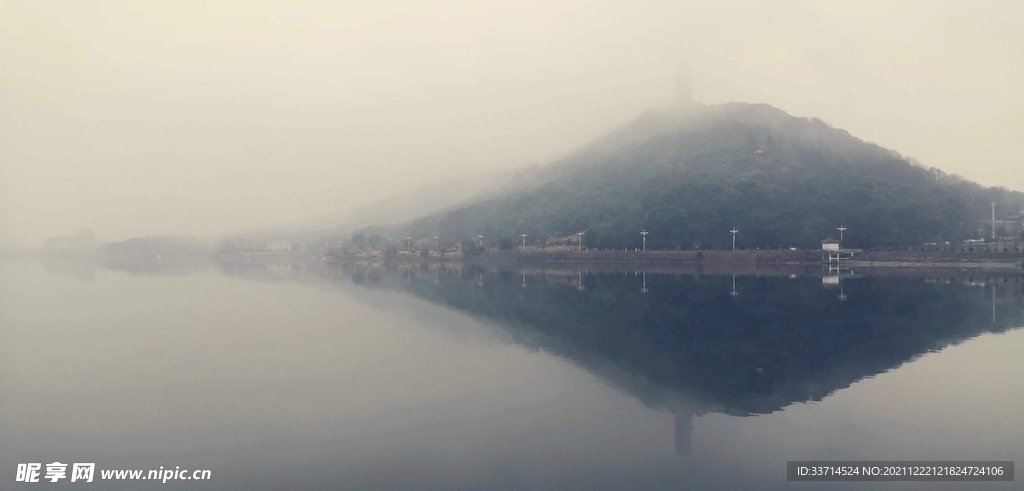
<point>419,376</point>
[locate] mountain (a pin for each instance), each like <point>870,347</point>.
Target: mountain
<point>688,174</point>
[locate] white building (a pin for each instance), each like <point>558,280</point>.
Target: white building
<point>830,245</point>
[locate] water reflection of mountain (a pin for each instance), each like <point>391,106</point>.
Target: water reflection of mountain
<point>694,344</point>
<point>689,345</point>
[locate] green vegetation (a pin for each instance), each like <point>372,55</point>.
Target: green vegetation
<point>688,177</point>
<point>359,240</point>
<point>469,248</point>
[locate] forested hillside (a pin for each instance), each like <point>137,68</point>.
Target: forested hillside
<point>690,174</point>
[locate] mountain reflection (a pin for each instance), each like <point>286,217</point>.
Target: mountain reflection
<point>736,345</point>
<point>696,343</point>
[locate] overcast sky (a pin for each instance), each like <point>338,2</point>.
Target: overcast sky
<point>185,117</point>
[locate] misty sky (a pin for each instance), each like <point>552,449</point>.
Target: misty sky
<point>186,117</point>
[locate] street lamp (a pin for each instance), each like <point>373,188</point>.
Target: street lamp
<point>644,233</point>
<point>437,244</point>
<point>993,219</point>
<point>481,238</point>
<point>841,229</point>
<point>579,244</point>
<point>409,240</point>
<point>524,240</point>
<point>734,232</point>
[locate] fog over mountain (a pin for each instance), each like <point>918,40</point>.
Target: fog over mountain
<point>394,208</point>
<point>688,173</point>
<point>202,118</point>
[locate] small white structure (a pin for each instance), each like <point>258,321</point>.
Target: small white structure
<point>279,245</point>
<point>830,245</point>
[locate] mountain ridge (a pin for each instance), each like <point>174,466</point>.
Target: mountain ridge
<point>688,174</point>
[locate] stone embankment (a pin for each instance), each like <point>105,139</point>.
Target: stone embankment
<point>746,257</point>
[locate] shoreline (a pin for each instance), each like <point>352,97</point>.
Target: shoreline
<point>718,260</point>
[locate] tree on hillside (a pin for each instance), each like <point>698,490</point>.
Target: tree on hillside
<point>469,248</point>
<point>375,241</point>
<point>359,240</point>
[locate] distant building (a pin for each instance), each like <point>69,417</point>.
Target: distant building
<point>1011,225</point>
<point>279,245</point>
<point>830,245</point>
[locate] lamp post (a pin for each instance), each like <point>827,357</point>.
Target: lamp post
<point>579,243</point>
<point>993,219</point>
<point>993,303</point>
<point>734,232</point>
<point>841,229</point>
<point>481,238</point>
<point>409,241</point>
<point>524,240</point>
<point>644,234</point>
<point>437,243</point>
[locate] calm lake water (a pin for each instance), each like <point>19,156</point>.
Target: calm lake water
<point>293,376</point>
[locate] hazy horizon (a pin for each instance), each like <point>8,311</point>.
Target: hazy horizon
<point>199,118</point>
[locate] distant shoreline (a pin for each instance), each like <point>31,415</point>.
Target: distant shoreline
<point>744,259</point>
